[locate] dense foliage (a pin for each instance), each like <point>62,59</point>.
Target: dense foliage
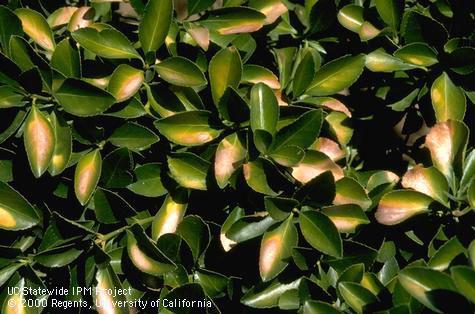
<point>312,156</point>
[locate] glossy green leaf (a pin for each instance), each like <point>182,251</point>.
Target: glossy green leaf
<point>351,17</point>
<point>390,11</point>
<point>149,182</point>
<point>39,139</point>
<point>107,280</point>
<point>264,115</point>
<point>321,233</point>
<point>420,281</point>
<point>268,295</point>
<point>225,69</point>
<point>133,136</point>
<point>62,146</point>
<point>116,168</point>
<point>419,54</point>
<point>336,75</point>
<point>189,170</point>
<point>16,212</point>
<point>66,59</point>
<point>234,20</point>
<point>155,24</point>
<point>318,307</point>
<point>191,128</point>
<point>35,26</point>
<point>380,61</point>
<point>246,228</point>
<point>276,248</point>
<point>86,176</point>
<point>196,234</point>
<point>302,133</point>
<point>356,295</point>
<point>125,82</point>
<point>279,208</point>
<point>254,74</point>
<point>108,43</point>
<point>349,191</point>
<point>9,97</point>
<point>257,177</point>
<point>83,99</point>
<point>398,206</point>
<point>448,100</point>
<point>10,25</point>
<point>304,73</point>
<point>288,156</point>
<point>464,279</point>
<point>180,71</point>
<point>446,254</point>
<point>214,284</point>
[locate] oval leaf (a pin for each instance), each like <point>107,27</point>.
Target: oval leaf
<point>321,233</point>
<point>86,177</point>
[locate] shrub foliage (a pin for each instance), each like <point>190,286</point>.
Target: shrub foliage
<point>264,155</point>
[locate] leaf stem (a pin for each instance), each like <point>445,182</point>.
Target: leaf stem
<point>106,237</point>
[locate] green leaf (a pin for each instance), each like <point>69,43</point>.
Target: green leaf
<point>285,58</point>
<point>232,107</point>
<point>419,54</point>
<point>6,171</point>
<point>254,74</point>
<point>234,215</point>
<point>276,246</point>
<point>464,279</point>
<point>191,128</point>
<point>149,181</point>
<point>116,169</point>
<point>213,284</point>
<point>448,100</point>
<point>58,257</point>
<point>279,208</point>
<point>196,234</point>
<point>15,211</point>
<point>266,296</point>
<point>229,157</point>
<point>10,25</point>
<point>446,254</point>
<point>304,73</point>
<point>108,43</point>
<point>429,181</point>
<point>145,255</point>
<point>351,17</point>
<point>417,27</point>
<point>349,191</point>
<point>133,136</point>
<point>155,24</point>
<point>225,69</point>
<point>125,82</point>
<point>380,61</point>
<point>471,194</point>
<point>257,177</point>
<point>63,144</point>
<point>181,72</point>
<point>66,59</point>
<point>234,20</point>
<point>247,227</point>
<point>336,75</point>
<point>347,218</point>
<point>356,296</point>
<point>288,156</point>
<point>398,206</point>
<point>86,176</point>
<point>39,139</point>
<point>189,170</point>
<point>302,133</point>
<point>35,26</point>
<point>321,233</point>
<point>83,99</point>
<point>318,307</point>
<point>421,281</point>
<point>170,215</point>
<point>264,115</point>
<point>196,6</point>
<point>391,11</point>
<point>9,97</point>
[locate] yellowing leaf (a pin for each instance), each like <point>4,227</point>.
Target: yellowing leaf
<point>125,82</point>
<point>448,99</point>
<point>86,177</point>
<point>398,206</point>
<point>168,216</point>
<point>35,26</point>
<point>230,155</point>
<point>39,141</point>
